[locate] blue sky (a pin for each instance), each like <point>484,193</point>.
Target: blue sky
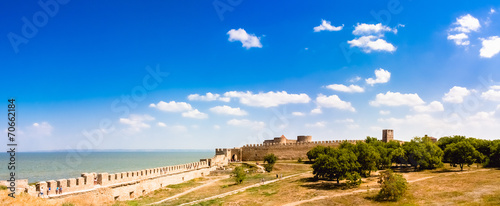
<point>93,75</point>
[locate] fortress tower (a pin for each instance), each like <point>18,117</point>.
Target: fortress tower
<point>387,135</point>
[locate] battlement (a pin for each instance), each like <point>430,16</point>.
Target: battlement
<point>302,143</point>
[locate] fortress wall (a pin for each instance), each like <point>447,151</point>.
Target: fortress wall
<point>285,151</point>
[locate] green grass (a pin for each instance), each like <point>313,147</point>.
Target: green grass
<point>3,187</point>
<point>217,201</point>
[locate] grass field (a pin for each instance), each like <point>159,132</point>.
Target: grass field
<point>444,186</point>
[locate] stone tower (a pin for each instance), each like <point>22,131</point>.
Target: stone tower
<point>387,135</point>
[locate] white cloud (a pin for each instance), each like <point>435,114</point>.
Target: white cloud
<point>492,11</point>
<point>161,124</point>
<point>466,24</point>
<point>298,114</point>
<point>333,101</point>
<point>136,122</point>
<point>348,120</point>
<point>456,94</point>
<point>495,87</point>
<point>355,79</point>
<point>384,112</point>
<point>248,40</point>
<point>396,99</point>
<point>491,47</point>
<point>228,110</point>
<point>317,124</point>
<point>42,129</point>
<point>434,106</point>
<point>493,94</point>
<point>246,123</point>
<point>316,111</point>
<point>459,39</point>
<point>195,114</point>
<point>382,76</point>
<point>369,29</point>
<point>208,97</point>
<point>326,25</point>
<point>172,106</point>
<point>269,99</point>
<point>343,88</point>
<point>216,127</point>
<point>371,43</point>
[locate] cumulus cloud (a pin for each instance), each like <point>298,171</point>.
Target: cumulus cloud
<point>246,123</point>
<point>490,47</point>
<point>381,76</point>
<point>456,94</point>
<point>464,25</point>
<point>317,124</point>
<point>459,39</point>
<point>333,101</point>
<point>355,79</point>
<point>208,97</point>
<point>371,43</point>
<point>137,122</point>
<point>434,106</point>
<point>370,29</point>
<point>248,40</point>
<point>343,88</point>
<point>195,114</point>
<point>348,122</point>
<point>228,110</point>
<point>396,99</point>
<point>161,124</point>
<point>216,127</point>
<point>493,94</point>
<point>298,114</point>
<point>316,111</point>
<point>269,99</point>
<point>172,106</point>
<point>42,129</point>
<point>327,26</point>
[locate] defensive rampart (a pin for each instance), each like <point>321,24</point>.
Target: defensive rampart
<point>285,151</point>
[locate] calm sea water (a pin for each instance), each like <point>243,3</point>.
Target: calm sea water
<point>42,166</point>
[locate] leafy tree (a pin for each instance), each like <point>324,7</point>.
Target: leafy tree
<point>494,159</point>
<point>315,152</point>
<point>444,141</point>
<point>399,156</point>
<point>239,175</point>
<point>392,186</point>
<point>385,159</point>
<point>270,159</point>
<point>461,153</point>
<point>422,153</point>
<point>335,164</point>
<point>392,144</point>
<point>353,179</point>
<point>367,157</point>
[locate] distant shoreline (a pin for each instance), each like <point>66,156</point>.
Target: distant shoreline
<point>121,150</point>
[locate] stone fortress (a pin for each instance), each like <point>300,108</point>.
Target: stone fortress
<point>133,184</point>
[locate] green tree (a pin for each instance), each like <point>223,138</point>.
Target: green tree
<point>353,179</point>
<point>422,153</point>
<point>239,174</point>
<point>494,159</point>
<point>392,186</point>
<point>270,159</point>
<point>367,157</point>
<point>315,152</point>
<point>461,153</point>
<point>444,141</point>
<point>335,164</point>
<point>399,156</point>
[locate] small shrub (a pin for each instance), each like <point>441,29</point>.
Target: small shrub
<point>353,180</point>
<point>299,160</point>
<point>269,167</point>
<point>392,186</point>
<point>68,204</point>
<point>239,175</point>
<point>3,187</point>
<point>225,186</point>
<point>270,158</point>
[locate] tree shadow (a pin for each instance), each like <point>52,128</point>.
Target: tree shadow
<point>306,179</point>
<point>325,186</point>
<point>445,171</point>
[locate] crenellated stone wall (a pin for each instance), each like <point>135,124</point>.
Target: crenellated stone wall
<point>131,184</point>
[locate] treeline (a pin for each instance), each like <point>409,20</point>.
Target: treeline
<point>351,161</point>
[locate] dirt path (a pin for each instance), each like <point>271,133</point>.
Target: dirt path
<point>374,189</point>
<point>240,190</point>
<point>190,190</point>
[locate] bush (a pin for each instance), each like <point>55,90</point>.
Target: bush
<point>353,180</point>
<point>299,160</point>
<point>270,158</point>
<point>269,167</point>
<point>68,204</point>
<point>239,175</point>
<point>392,186</point>
<point>3,187</point>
